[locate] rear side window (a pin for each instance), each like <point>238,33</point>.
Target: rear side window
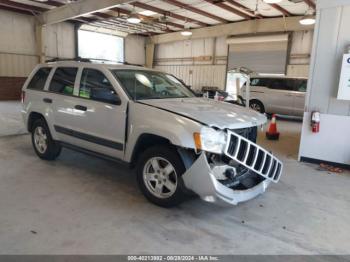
<point>63,80</point>
<point>39,79</point>
<point>300,85</point>
<point>260,82</point>
<point>94,85</point>
<point>282,84</point>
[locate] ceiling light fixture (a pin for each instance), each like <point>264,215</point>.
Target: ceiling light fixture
<point>147,13</point>
<point>133,19</point>
<point>307,20</point>
<point>272,1</point>
<point>186,33</point>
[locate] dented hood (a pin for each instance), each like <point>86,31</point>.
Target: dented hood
<point>210,112</point>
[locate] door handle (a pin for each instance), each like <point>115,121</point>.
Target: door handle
<point>288,95</point>
<point>47,100</point>
<point>81,108</point>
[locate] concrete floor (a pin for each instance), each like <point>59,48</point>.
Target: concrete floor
<point>83,205</point>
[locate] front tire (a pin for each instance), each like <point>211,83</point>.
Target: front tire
<point>44,146</point>
<point>159,172</point>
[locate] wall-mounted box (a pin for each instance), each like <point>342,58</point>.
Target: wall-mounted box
<point>344,83</point>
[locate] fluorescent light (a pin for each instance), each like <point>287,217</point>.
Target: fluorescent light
<point>186,33</point>
<point>147,13</point>
<point>133,19</point>
<point>272,1</point>
<point>307,20</point>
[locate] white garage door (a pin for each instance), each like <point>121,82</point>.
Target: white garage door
<point>262,54</point>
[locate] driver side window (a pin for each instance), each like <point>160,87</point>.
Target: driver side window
<point>94,85</point>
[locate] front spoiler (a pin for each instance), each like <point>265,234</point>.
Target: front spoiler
<point>200,179</point>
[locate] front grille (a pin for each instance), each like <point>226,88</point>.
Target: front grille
<point>249,133</point>
<point>254,157</point>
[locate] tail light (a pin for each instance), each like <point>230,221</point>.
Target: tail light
<point>23,96</point>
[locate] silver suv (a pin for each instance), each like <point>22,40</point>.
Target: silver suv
<point>180,144</point>
<point>278,95</point>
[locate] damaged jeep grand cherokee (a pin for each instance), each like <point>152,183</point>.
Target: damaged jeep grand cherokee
<point>180,144</point>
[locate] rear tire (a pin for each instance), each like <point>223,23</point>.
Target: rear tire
<point>257,106</point>
<point>44,146</point>
<point>159,172</point>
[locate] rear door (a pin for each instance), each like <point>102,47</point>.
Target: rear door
<point>281,96</point>
<point>299,96</point>
<point>61,97</point>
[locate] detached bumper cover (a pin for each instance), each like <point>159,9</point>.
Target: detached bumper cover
<point>200,179</point>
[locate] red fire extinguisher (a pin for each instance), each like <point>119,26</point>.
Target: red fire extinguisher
<point>315,121</point>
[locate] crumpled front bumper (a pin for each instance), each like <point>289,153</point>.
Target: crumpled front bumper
<point>200,179</point>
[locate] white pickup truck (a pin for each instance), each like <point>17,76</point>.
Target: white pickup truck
<point>180,144</point>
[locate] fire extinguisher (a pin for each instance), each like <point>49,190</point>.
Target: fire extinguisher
<point>315,121</point>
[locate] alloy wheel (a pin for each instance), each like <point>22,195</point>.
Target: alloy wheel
<point>40,139</point>
<point>160,177</point>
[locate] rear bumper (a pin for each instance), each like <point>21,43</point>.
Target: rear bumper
<point>200,179</point>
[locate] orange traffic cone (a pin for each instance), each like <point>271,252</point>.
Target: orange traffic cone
<point>272,133</point>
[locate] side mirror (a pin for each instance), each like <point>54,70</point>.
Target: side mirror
<point>115,100</point>
<point>105,95</point>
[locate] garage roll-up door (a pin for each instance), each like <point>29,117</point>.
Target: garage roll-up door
<point>262,54</point>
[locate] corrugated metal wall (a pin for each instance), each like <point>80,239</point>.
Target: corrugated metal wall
<point>18,49</point>
<point>198,76</point>
<point>134,49</point>
<point>18,44</point>
<point>202,62</point>
<point>60,41</point>
<point>16,65</point>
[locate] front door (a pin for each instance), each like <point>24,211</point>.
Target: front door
<point>96,120</point>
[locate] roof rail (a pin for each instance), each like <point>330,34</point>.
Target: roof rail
<point>88,60</point>
<point>119,62</point>
<point>76,59</point>
<point>127,63</point>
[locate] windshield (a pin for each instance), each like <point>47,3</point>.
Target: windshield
<point>142,85</point>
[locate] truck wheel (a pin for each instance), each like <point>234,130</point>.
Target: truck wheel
<point>45,147</point>
<point>159,172</point>
<point>257,106</point>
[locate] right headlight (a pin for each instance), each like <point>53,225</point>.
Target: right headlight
<point>210,140</point>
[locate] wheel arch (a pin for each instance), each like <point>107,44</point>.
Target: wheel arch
<point>33,116</point>
<point>145,141</point>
